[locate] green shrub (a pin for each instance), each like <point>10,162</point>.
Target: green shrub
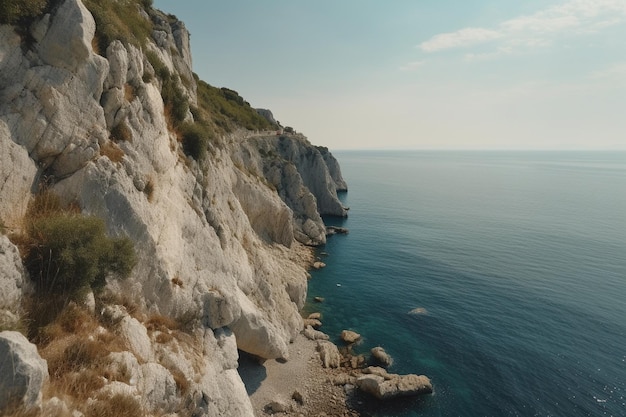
<point>227,109</point>
<point>121,132</point>
<point>160,69</point>
<point>175,101</point>
<point>69,254</point>
<point>195,138</point>
<point>19,11</point>
<point>120,20</point>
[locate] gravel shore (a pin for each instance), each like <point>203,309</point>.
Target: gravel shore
<point>277,381</point>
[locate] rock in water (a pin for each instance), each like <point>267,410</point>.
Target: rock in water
<point>393,386</point>
<point>349,336</point>
<point>381,356</point>
<point>22,372</point>
<point>418,311</point>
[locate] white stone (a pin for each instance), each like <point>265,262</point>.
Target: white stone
<point>158,388</point>
<point>329,354</point>
<point>22,371</point>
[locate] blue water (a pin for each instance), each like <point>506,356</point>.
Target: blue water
<point>519,259</point>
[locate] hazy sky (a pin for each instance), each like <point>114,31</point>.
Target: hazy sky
<point>422,74</point>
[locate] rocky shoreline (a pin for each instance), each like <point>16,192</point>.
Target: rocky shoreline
<point>323,379</point>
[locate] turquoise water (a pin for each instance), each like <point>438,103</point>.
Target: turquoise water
<point>518,258</point>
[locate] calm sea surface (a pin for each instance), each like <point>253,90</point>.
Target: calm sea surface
<point>519,260</point>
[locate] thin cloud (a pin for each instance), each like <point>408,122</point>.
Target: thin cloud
<point>614,72</point>
<point>411,66</point>
<point>538,29</point>
<point>461,38</point>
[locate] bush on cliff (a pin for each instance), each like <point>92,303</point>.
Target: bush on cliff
<point>120,20</point>
<point>68,254</point>
<point>227,109</point>
<point>195,138</point>
<point>18,11</point>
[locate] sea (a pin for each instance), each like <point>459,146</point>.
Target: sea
<point>499,275</point>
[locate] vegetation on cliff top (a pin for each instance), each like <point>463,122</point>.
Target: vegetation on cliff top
<point>227,109</point>
<point>20,11</point>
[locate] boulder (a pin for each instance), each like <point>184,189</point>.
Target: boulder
<point>12,283</point>
<point>315,323</point>
<point>381,356</point>
<point>313,334</point>
<point>329,354</point>
<point>220,309</point>
<point>386,386</point>
<point>277,406</point>
<point>349,336</point>
<point>316,316</point>
<point>419,311</point>
<point>158,388</point>
<point>319,265</point>
<point>22,372</point>
<point>318,299</point>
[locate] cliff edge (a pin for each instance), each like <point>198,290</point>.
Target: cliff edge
<point>218,211</point>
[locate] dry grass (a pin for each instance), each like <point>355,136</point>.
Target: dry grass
<point>129,92</point>
<point>182,383</point>
<point>64,319</point>
<point>163,338</point>
<point>112,151</point>
<point>81,385</point>
<point>118,405</point>
<point>149,189</point>
<point>157,322</point>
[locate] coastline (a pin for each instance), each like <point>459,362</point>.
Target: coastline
<point>277,382</point>
<point>304,373</point>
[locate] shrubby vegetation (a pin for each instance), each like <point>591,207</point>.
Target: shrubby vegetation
<point>227,109</point>
<point>120,20</point>
<point>67,254</point>
<point>21,11</point>
<point>195,139</point>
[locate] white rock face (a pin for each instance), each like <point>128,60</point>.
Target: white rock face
<point>215,241</point>
<point>22,371</point>
<point>13,284</point>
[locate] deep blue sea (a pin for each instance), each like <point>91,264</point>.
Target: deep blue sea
<point>519,260</point>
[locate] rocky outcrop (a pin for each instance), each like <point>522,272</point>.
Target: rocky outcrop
<point>385,386</point>
<point>22,372</point>
<point>267,115</point>
<point>333,168</point>
<point>329,354</point>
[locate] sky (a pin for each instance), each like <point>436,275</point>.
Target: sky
<point>422,74</point>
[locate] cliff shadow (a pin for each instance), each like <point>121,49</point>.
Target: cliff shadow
<point>251,371</point>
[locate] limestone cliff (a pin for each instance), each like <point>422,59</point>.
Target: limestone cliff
<point>219,239</point>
